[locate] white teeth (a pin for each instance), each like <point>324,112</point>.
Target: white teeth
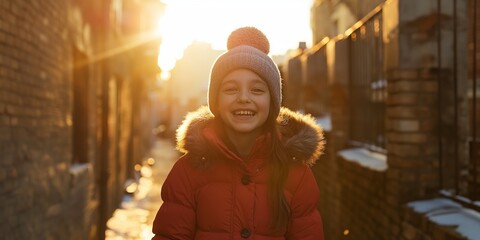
<point>246,113</point>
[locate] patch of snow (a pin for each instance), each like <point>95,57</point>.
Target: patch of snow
<point>425,206</point>
<point>445,212</point>
<point>466,221</point>
<point>78,168</point>
<point>371,160</point>
<point>325,122</point>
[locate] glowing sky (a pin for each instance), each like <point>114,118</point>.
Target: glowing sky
<point>284,22</point>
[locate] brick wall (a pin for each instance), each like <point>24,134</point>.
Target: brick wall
<point>39,187</point>
<point>35,116</point>
<point>359,202</point>
<point>69,135</point>
<point>363,212</point>
<point>419,225</point>
<point>412,116</point>
<point>383,204</point>
<point>412,123</point>
<point>329,206</point>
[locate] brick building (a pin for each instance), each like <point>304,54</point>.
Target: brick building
<point>400,84</point>
<point>76,112</point>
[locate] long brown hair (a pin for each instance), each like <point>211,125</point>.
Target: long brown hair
<point>278,161</point>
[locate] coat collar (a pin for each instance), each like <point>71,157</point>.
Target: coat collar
<point>302,137</point>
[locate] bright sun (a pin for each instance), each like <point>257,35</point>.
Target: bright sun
<point>285,22</point>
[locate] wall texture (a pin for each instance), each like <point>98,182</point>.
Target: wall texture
<point>74,118</point>
<point>39,189</point>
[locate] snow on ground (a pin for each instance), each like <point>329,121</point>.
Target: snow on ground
<point>134,218</point>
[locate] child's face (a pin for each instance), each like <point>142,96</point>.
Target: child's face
<point>244,101</point>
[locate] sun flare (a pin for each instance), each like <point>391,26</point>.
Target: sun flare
<point>285,22</point>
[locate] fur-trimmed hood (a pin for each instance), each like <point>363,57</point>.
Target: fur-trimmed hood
<point>300,134</point>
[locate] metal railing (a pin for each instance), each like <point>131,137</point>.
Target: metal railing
<point>458,105</point>
<point>368,84</point>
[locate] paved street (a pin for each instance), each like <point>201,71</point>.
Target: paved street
<point>133,220</point>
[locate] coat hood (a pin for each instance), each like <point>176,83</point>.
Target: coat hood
<point>300,134</point>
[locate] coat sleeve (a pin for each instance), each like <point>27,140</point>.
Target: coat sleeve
<point>176,217</point>
<point>306,222</point>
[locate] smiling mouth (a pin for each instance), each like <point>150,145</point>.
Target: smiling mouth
<point>244,113</point>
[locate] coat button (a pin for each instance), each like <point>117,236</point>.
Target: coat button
<point>245,233</point>
<point>245,180</point>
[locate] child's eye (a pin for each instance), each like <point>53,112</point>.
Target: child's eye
<point>230,90</point>
<point>258,90</point>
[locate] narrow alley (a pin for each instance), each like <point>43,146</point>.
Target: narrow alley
<point>92,94</point>
<point>133,219</point>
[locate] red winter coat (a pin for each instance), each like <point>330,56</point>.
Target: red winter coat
<point>211,193</point>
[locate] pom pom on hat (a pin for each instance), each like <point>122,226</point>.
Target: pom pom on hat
<point>248,48</point>
<point>249,36</point>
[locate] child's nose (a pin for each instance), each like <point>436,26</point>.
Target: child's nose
<point>244,96</point>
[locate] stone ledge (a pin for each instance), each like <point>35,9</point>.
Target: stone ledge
<point>366,158</point>
<point>450,217</point>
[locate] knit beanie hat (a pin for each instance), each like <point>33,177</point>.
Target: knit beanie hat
<point>248,48</point>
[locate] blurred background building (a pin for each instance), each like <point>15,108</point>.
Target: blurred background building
<point>189,82</point>
<point>77,105</point>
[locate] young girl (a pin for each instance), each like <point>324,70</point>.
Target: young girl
<point>246,169</point>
